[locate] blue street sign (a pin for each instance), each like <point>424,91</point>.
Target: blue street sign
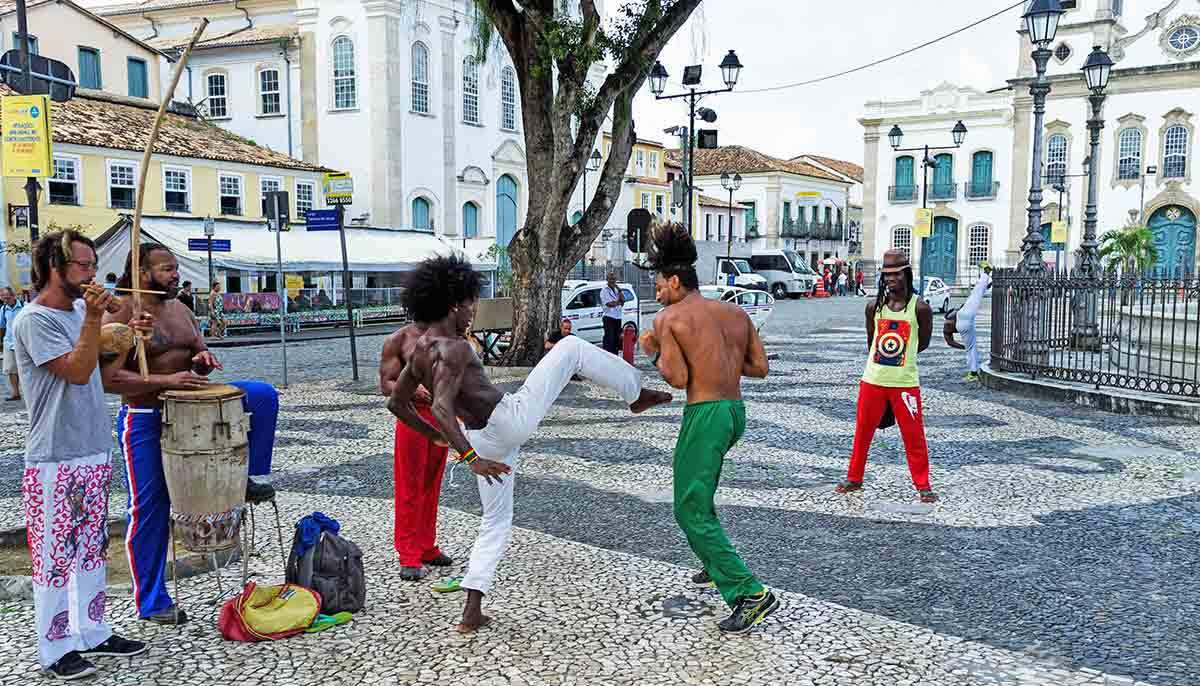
<point>322,220</point>
<point>201,245</point>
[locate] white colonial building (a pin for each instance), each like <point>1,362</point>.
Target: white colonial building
<point>979,192</point>
<point>388,91</point>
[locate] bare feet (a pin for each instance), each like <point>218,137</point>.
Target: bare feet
<point>649,399</point>
<point>473,616</point>
<point>413,573</point>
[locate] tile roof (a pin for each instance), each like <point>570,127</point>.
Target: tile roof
<point>7,6</point>
<point>254,36</point>
<point>139,6</point>
<point>710,201</point>
<point>104,120</point>
<point>743,160</point>
<point>849,169</point>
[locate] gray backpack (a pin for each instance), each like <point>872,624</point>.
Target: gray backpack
<point>333,568</point>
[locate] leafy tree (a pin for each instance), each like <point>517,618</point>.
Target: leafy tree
<point>1131,248</point>
<point>554,48</point>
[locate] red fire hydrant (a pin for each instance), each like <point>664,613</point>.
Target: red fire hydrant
<point>628,342</point>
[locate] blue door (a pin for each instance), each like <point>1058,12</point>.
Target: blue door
<point>939,252</point>
<point>1174,230</point>
<point>506,214</point>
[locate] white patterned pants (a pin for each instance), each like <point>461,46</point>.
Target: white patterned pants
<point>66,517</point>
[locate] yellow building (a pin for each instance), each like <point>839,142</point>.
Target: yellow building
<point>198,170</point>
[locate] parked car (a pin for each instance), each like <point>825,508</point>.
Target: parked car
<point>786,273</point>
<point>581,304</point>
<point>935,292</point>
<point>757,304</point>
<point>736,271</point>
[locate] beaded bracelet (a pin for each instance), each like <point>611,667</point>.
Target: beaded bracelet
<point>468,457</point>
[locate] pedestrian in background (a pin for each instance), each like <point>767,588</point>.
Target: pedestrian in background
<point>187,297</point>
<point>9,307</point>
<point>216,311</point>
<point>613,300</point>
<point>858,282</point>
<point>843,282</point>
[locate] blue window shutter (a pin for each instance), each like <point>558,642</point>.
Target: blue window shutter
<point>981,171</point>
<point>470,220</point>
<point>943,173</point>
<point>420,209</point>
<point>904,171</point>
<point>138,85</point>
<point>89,68</point>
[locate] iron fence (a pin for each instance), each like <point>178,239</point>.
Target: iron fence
<point>627,272</point>
<point>1137,334</point>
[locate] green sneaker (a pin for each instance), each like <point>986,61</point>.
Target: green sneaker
<point>449,585</point>
<point>986,266</point>
<point>749,611</point>
<point>971,376</point>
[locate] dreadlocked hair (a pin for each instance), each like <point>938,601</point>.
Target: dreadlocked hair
<point>438,284</point>
<point>881,295</point>
<point>672,252</point>
<point>144,250</point>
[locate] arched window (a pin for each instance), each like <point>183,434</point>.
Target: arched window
<point>1056,158</point>
<point>420,78</point>
<point>508,99</point>
<point>470,90</point>
<point>905,189</point>
<point>470,220</point>
<point>902,240</point>
<point>218,95</point>
<point>420,211</point>
<point>1175,150</point>
<point>980,243</point>
<point>1129,154</point>
<point>345,81</point>
<point>981,174</point>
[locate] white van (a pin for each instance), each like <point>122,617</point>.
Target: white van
<point>741,273</point>
<point>786,273</point>
<point>581,304</point>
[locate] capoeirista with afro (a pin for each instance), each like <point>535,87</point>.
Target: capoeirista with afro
<point>438,285</point>
<point>672,252</point>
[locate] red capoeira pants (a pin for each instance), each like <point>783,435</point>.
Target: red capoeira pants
<point>906,405</point>
<point>417,469</point>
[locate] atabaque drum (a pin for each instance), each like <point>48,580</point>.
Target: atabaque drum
<point>205,461</point>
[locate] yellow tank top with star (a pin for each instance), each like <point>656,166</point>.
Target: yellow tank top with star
<point>892,361</point>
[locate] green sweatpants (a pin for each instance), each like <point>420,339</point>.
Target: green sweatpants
<point>709,430</point>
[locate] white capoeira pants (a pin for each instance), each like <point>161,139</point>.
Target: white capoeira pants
<point>514,420</point>
<point>964,320</point>
<point>66,517</point>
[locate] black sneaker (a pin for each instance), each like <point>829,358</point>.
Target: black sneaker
<point>167,617</point>
<point>750,610</point>
<point>442,560</point>
<point>259,493</point>
<point>70,667</point>
<point>413,573</point>
<point>116,646</point>
<point>701,578</point>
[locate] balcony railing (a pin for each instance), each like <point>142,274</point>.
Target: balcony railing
<point>901,194</point>
<point>943,191</point>
<point>981,190</point>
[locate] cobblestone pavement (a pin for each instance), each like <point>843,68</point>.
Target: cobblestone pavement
<point>1062,551</point>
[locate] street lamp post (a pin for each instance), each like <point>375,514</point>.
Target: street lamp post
<point>895,136</point>
<point>731,184</point>
<point>731,68</point>
<point>1041,20</point>
<point>1085,331</point>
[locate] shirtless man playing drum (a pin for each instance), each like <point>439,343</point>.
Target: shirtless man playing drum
<point>441,294</point>
<point>178,360</point>
<point>706,347</point>
<point>417,467</point>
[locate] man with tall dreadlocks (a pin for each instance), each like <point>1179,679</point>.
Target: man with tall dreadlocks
<point>897,321</point>
<point>706,347</point>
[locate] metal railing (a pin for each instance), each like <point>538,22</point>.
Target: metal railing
<point>627,272</point>
<point>1137,334</point>
<point>901,194</point>
<point>943,191</point>
<point>981,191</point>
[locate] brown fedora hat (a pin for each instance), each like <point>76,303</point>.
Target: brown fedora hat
<point>894,261</point>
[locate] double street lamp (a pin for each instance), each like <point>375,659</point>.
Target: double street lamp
<point>731,184</point>
<point>1096,71</point>
<point>895,136</point>
<point>1041,20</point>
<point>731,69</point>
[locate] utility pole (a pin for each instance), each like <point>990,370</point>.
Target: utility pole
<point>32,187</point>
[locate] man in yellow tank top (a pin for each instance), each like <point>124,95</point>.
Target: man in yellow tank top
<point>899,325</point>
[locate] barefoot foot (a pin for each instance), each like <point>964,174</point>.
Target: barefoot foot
<point>649,399</point>
<point>471,626</point>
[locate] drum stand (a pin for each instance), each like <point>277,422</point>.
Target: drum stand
<point>216,567</point>
<point>250,506</point>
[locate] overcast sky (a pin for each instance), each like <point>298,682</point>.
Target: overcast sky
<point>783,41</point>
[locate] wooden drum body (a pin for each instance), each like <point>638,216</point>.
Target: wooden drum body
<point>205,461</point>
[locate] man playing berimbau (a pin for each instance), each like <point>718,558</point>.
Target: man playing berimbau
<point>441,294</point>
<point>178,359</point>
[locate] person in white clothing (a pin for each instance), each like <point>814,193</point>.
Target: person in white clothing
<point>962,321</point>
<point>441,295</point>
<point>612,298</point>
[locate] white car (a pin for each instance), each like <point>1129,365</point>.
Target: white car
<point>757,304</point>
<point>581,304</point>
<point>935,292</point>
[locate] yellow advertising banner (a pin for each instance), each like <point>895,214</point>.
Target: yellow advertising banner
<point>27,142</point>
<point>1058,231</point>
<point>293,282</point>
<point>923,224</point>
